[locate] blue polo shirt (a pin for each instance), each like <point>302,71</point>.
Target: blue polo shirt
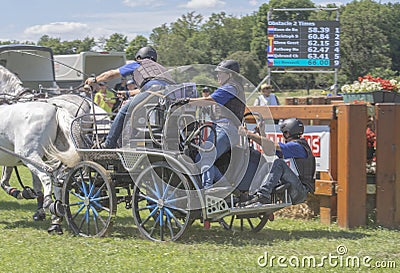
<point>128,69</point>
<point>224,93</point>
<point>291,149</point>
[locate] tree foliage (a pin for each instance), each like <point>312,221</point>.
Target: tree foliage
<point>117,42</point>
<point>364,46</point>
<point>137,43</point>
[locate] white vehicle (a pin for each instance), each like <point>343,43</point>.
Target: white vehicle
<point>84,65</point>
<point>33,65</point>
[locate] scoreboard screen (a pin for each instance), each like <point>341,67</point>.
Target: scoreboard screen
<point>303,44</point>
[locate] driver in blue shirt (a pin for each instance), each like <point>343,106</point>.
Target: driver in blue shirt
<point>297,150</point>
<point>230,95</point>
<point>147,74</point>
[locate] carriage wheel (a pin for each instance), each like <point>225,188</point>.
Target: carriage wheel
<point>253,223</point>
<point>90,200</point>
<point>161,203</point>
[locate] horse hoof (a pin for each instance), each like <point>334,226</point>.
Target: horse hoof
<point>39,215</point>
<point>55,228</point>
<point>15,193</point>
<point>28,193</point>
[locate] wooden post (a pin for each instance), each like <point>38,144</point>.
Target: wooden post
<point>387,164</point>
<point>351,156</point>
<point>328,202</point>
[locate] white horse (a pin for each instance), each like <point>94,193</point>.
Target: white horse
<point>31,132</point>
<point>34,131</point>
<point>34,134</point>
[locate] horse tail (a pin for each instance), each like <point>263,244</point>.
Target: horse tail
<point>68,156</point>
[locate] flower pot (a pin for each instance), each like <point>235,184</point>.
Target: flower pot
<point>371,97</point>
<point>389,96</point>
<point>397,98</point>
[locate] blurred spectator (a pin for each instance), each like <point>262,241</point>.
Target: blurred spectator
<point>104,98</point>
<point>266,97</point>
<point>206,110</point>
<point>131,84</point>
<point>122,86</point>
<point>206,92</point>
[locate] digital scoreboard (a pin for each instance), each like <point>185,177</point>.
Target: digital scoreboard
<point>303,44</point>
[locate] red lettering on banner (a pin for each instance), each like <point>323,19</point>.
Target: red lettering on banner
<point>315,143</point>
<point>313,140</point>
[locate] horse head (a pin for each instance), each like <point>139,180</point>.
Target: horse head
<point>10,85</point>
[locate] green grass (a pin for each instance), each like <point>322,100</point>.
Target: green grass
<point>25,246</point>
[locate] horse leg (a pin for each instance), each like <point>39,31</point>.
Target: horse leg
<point>40,214</point>
<point>46,184</point>
<point>5,183</point>
<point>55,219</point>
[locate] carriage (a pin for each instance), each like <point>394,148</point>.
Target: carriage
<point>155,173</point>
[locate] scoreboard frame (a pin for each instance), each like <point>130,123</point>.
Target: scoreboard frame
<point>303,44</point>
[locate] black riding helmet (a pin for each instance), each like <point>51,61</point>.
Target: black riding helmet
<point>147,52</point>
<point>228,66</point>
<point>292,126</point>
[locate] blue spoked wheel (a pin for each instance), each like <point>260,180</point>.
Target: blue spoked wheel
<point>161,202</point>
<point>90,200</point>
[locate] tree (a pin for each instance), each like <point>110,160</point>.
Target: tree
<point>258,43</point>
<point>54,43</point>
<point>137,43</point>
<point>363,44</point>
<point>176,44</point>
<point>16,42</point>
<point>390,25</point>
<point>117,42</point>
<point>226,35</point>
<point>249,65</point>
<point>86,45</point>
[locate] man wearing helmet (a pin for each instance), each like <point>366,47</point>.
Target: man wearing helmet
<point>297,150</point>
<point>230,98</point>
<point>147,74</point>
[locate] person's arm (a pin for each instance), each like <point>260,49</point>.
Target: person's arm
<point>104,77</point>
<point>201,101</point>
<point>269,147</point>
<point>134,92</point>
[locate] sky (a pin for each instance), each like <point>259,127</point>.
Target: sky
<point>77,19</point>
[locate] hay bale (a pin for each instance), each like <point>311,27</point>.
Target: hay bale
<point>307,210</point>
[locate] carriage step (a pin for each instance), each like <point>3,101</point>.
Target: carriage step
<point>266,208</point>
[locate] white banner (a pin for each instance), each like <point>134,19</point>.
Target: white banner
<point>318,137</point>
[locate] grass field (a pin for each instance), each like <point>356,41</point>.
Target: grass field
<point>26,247</point>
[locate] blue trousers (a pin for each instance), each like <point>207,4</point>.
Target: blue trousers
<point>118,124</point>
<point>227,135</point>
<point>281,174</point>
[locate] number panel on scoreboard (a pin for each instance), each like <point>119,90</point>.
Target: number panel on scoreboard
<point>303,44</point>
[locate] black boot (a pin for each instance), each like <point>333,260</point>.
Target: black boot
<point>259,200</point>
